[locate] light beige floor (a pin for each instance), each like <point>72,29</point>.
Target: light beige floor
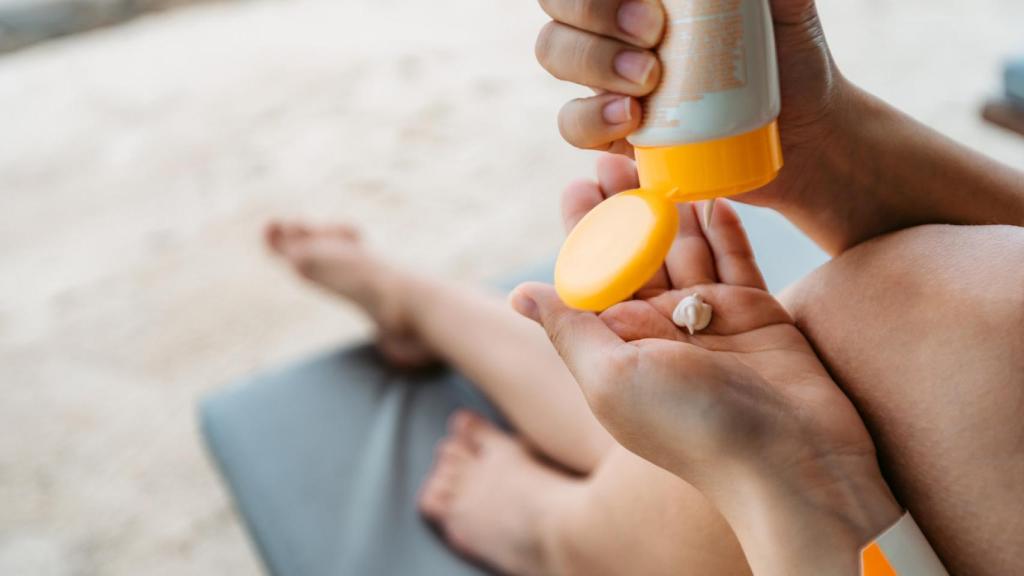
<point>137,165</point>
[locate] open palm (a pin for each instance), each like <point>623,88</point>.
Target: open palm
<point>749,389</point>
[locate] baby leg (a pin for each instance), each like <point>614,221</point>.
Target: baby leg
<point>507,357</point>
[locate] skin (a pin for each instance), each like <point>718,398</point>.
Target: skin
<point>597,521</point>
<point>942,394</point>
<point>857,170</point>
<point>855,167</point>
<point>539,397</point>
<point>951,289</point>
<point>571,499</point>
<point>841,194</point>
<point>745,412</point>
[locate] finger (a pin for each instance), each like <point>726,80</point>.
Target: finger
<point>591,60</point>
<point>639,320</point>
<point>598,122</point>
<point>689,261</point>
<point>735,310</point>
<point>734,257</point>
<point>616,174</point>
<point>623,148</point>
<point>588,347</point>
<point>639,22</point>
<point>579,198</point>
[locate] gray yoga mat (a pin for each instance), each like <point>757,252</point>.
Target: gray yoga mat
<point>324,458</point>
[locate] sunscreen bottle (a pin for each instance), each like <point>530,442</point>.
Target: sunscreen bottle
<point>710,130</point>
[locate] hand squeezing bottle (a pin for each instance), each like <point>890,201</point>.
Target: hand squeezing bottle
<point>710,130</point>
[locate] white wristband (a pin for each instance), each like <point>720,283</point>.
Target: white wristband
<point>901,550</point>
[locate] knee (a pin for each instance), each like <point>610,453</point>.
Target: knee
<point>955,277</point>
<point>905,322</point>
<point>971,269</point>
<point>902,307</point>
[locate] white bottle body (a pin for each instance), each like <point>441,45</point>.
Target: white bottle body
<point>719,74</point>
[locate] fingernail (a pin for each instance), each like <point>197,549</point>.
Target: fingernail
<point>640,19</point>
<point>618,111</point>
<point>524,305</point>
<point>634,66</point>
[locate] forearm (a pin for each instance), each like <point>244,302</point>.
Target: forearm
<point>880,171</point>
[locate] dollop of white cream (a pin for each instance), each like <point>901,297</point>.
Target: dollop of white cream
<point>692,313</point>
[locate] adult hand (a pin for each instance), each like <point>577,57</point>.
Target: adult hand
<point>608,45</point>
<point>744,410</point>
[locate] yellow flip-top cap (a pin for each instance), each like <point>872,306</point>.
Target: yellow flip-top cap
<point>621,243</point>
<point>615,250</point>
<point>713,169</point>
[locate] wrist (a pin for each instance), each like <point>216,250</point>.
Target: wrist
<point>810,519</point>
<point>859,136</point>
<point>823,148</point>
<point>836,193</point>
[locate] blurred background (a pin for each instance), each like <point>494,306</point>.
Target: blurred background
<point>140,160</point>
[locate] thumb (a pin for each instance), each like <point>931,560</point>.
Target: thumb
<point>586,344</point>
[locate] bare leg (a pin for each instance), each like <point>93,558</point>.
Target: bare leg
<point>924,330</point>
<point>507,356</point>
<point>493,497</point>
<point>511,360</point>
<point>662,526</point>
<point>497,503</point>
<point>941,396</point>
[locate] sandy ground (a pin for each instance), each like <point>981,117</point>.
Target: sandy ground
<point>138,164</point>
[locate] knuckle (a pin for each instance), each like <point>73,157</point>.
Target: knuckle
<point>576,56</point>
<point>587,12</point>
<point>572,126</point>
<point>617,319</point>
<point>584,53</point>
<point>545,46</point>
<point>566,125</point>
<point>559,334</point>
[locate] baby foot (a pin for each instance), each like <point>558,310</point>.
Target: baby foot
<point>333,258</point>
<point>492,498</point>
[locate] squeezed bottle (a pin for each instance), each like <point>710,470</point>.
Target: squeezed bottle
<point>710,130</point>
